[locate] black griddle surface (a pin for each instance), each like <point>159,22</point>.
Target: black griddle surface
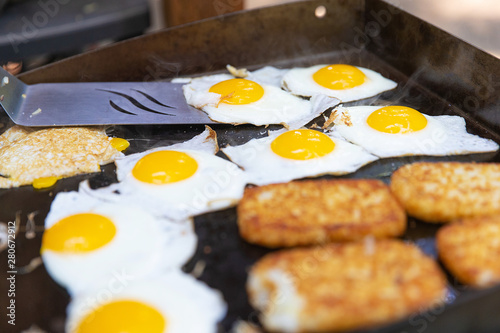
<point>41,301</point>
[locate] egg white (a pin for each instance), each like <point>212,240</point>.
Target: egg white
<point>263,166</point>
<point>275,107</point>
<point>300,82</point>
<point>143,245</point>
<point>187,305</point>
<point>216,184</point>
<point>443,135</point>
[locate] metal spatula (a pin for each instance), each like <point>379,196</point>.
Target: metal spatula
<point>96,103</point>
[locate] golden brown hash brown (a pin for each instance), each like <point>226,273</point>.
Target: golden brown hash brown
<point>351,285</point>
<point>26,154</point>
<point>470,250</point>
<point>13,134</point>
<point>318,211</point>
<point>445,191</point>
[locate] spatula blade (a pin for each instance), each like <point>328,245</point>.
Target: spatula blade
<point>97,103</point>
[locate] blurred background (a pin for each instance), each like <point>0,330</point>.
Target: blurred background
<point>36,32</point>
<point>475,21</point>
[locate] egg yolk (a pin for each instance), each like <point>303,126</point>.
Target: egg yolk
<point>79,233</point>
<point>164,167</point>
<point>45,182</point>
<point>238,91</point>
<point>119,144</point>
<point>123,317</point>
<point>396,120</point>
<point>339,77</point>
<point>303,144</point>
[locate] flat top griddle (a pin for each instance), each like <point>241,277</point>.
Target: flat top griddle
<point>437,74</point>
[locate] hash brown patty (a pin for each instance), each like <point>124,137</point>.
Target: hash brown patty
<point>445,191</point>
<point>470,250</point>
<point>339,287</point>
<point>319,211</point>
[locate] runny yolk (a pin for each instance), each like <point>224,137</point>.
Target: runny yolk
<point>164,167</point>
<point>119,144</point>
<point>238,91</point>
<point>303,144</point>
<point>123,316</point>
<point>45,182</point>
<point>396,120</point>
<point>79,233</point>
<point>339,77</point>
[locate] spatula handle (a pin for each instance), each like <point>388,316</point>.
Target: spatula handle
<point>12,94</point>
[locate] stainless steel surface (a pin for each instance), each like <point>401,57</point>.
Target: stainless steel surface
<point>101,103</point>
<point>12,92</point>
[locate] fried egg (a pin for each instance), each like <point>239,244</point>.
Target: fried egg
<point>177,181</point>
<point>399,130</point>
<point>345,82</point>
<point>87,241</point>
<point>41,157</point>
<point>174,302</point>
<point>256,99</point>
<point>293,154</point>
